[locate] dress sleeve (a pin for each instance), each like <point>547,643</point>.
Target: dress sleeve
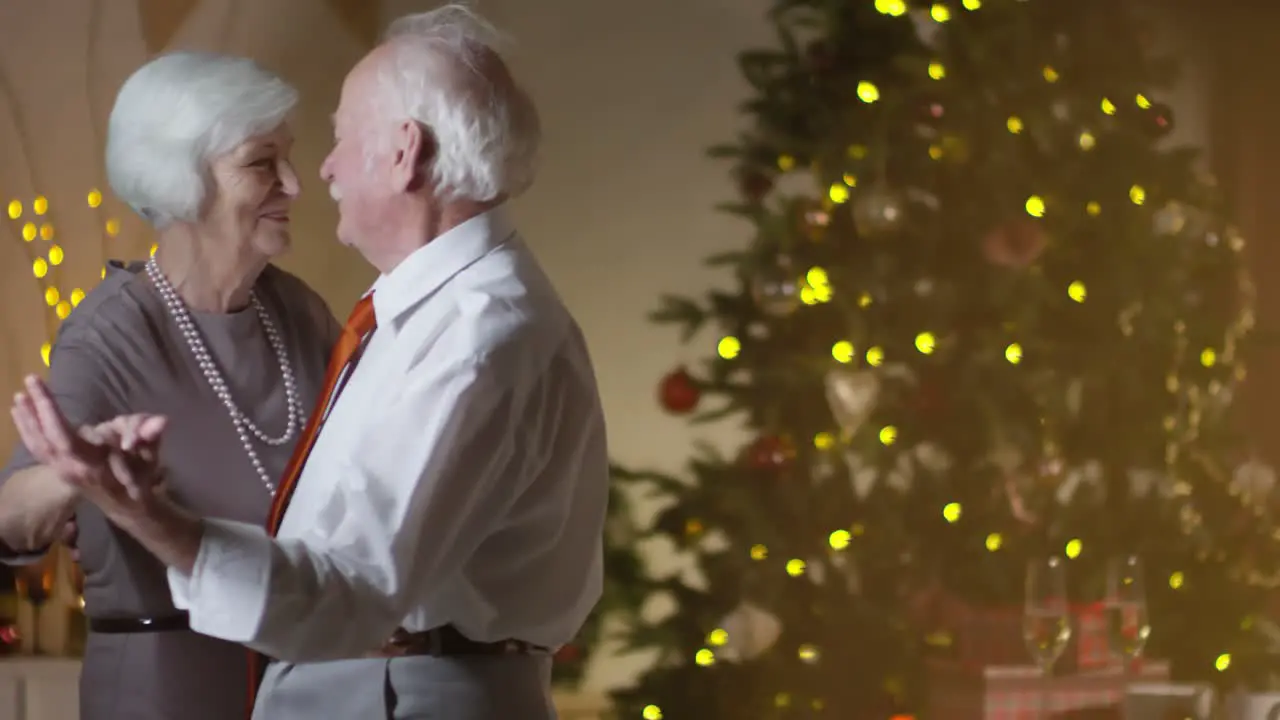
<point>85,393</point>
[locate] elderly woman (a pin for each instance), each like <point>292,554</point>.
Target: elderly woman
<point>207,332</point>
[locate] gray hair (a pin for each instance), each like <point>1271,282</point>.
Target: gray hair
<point>174,115</point>
<point>446,74</point>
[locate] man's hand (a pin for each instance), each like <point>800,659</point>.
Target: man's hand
<point>115,464</point>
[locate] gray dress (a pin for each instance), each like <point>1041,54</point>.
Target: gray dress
<point>120,352</point>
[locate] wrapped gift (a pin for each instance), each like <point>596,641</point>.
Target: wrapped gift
<point>1162,701</point>
<point>982,637</point>
<point>1020,692</point>
<point>1253,706</point>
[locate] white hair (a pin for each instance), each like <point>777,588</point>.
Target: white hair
<point>174,115</point>
<point>446,74</point>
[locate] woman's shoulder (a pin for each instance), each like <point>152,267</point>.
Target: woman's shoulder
<point>118,307</point>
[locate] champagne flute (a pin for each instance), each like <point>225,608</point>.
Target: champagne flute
<point>1046,621</point>
<point>1125,606</point>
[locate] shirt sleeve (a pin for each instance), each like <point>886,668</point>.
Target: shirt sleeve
<point>412,505</point>
<point>83,391</point>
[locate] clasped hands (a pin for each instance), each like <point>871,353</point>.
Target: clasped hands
<point>114,465</point>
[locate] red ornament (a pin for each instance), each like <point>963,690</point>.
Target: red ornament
<point>567,654</point>
<point>679,393</point>
<point>770,452</point>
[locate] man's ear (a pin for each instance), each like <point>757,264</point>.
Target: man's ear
<point>415,148</point>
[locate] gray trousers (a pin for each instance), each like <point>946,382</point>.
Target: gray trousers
<point>484,687</point>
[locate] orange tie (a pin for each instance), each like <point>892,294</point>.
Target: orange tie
<point>361,323</point>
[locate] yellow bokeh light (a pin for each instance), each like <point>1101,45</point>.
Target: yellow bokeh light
<point>15,209</point>
<point>936,70</point>
<point>1222,662</point>
<point>103,273</point>
<point>940,13</point>
<point>77,296</point>
<point>154,247</point>
<point>759,552</point>
<point>786,163</point>
<point>1014,124</point>
<point>839,540</point>
<point>1208,357</point>
<point>868,92</point>
<point>824,441</point>
<point>1013,353</point>
<point>972,4</point>
<point>796,567</point>
<point>56,255</point>
<point>839,193</point>
<point>875,356</point>
<point>864,299</point>
<point>40,205</point>
<point>1107,106</point>
<point>1035,206</point>
<point>39,267</point>
<point>95,198</point>
<point>1093,208</point>
<point>817,277</point>
<point>705,657</point>
<point>52,296</point>
<point>1141,101</point>
<point>1137,194</point>
<point>893,8</point>
<point>729,347</point>
<point>1086,140</point>
<point>1050,75</point>
<point>1176,580</point>
<point>1077,291</point>
<point>935,152</point>
<point>807,652</point>
<point>843,351</point>
<point>718,637</point>
<point>850,179</point>
<point>926,343</point>
<point>1073,548</point>
<point>46,231</point>
<point>45,351</point>
<point>113,227</point>
<point>651,712</point>
<point>63,309</point>
<point>952,511</point>
<point>29,232</point>
<point>888,435</point>
<point>995,541</point>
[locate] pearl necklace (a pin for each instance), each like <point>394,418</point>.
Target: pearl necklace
<point>245,427</point>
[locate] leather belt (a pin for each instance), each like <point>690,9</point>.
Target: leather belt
<point>120,625</point>
<point>447,640</point>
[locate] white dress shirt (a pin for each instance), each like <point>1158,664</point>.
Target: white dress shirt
<point>461,477</point>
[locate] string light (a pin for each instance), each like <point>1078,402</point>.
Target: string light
<point>875,356</point>
<point>51,296</point>
<point>796,567</point>
<point>888,435</point>
<point>839,540</point>
<point>868,92</point>
<point>729,347</point>
<point>972,4</point>
<point>46,231</point>
<point>1014,124</point>
<point>56,255</point>
<point>45,351</point>
<point>1013,353</point>
<point>936,70</point>
<point>40,205</point>
<point>39,267</point>
<point>892,8</point>
<point>94,198</point>
<point>15,209</point>
<point>1073,548</point>
<point>113,227</point>
<point>926,343</point>
<point>77,296</point>
<point>940,13</point>
<point>952,511</point>
<point>843,352</point>
<point>29,232</point>
<point>1035,206</point>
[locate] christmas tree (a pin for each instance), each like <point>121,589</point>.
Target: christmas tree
<point>987,315</point>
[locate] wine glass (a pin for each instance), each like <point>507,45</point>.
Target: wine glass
<point>1125,605</point>
<point>35,583</point>
<point>1046,620</point>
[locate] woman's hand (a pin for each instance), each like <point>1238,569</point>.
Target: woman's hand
<point>115,464</point>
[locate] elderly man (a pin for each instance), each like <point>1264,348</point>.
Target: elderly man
<point>438,532</point>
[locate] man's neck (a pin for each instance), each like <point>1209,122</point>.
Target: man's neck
<point>424,224</point>
<point>218,281</point>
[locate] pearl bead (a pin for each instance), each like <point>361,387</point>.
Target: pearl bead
<point>245,428</point>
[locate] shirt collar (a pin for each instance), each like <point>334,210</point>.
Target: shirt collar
<point>429,267</point>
